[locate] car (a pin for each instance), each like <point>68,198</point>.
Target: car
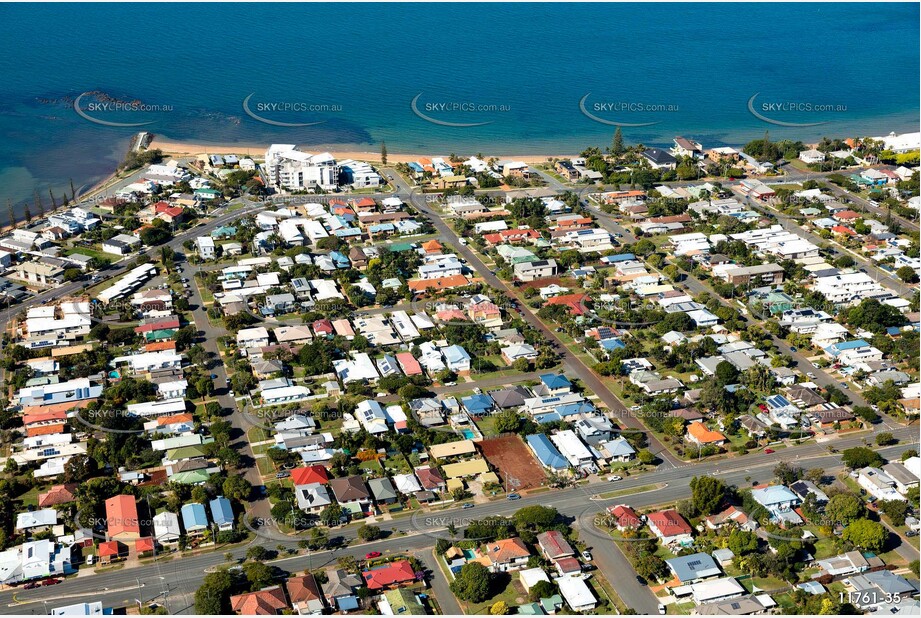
<point>615,477</point>
<point>231,393</point>
<point>283,474</point>
<point>214,376</point>
<point>372,554</point>
<point>467,505</point>
<point>30,586</point>
<point>50,581</point>
<point>90,559</point>
<point>816,365</point>
<point>842,384</point>
<point>809,374</point>
<point>513,497</point>
<point>792,348</point>
<point>587,555</point>
<point>662,608</point>
<point>768,451</point>
<point>911,533</point>
<point>450,383</point>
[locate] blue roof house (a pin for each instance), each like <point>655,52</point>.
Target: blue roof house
<point>837,348</point>
<point>546,453</point>
<point>194,518</point>
<point>222,513</point>
<point>478,405</point>
<point>555,383</point>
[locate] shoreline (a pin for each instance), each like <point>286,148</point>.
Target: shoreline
<point>341,151</point>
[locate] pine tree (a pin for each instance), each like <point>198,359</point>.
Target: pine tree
<point>617,144</point>
<point>9,211</point>
<point>38,203</point>
<point>384,153</point>
<point>73,192</point>
<point>54,203</point>
<point>27,213</point>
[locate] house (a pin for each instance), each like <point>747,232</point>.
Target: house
<point>902,477</point>
<point>618,449</point>
<point>504,555</point>
<point>659,159</point>
<point>555,384</point>
<point>456,359</point>
<point>811,156</point>
<point>729,516</point>
<point>578,596</point>
<point>514,352</point>
<point>804,488</point>
<point>699,434</point>
<point>624,517</point>
<point>670,527</point>
<point>266,602</point>
<point>304,594</point>
<point>57,494</point>
<point>390,575</point>
<point>312,498</point>
<point>693,568</point>
<point>340,588</point>
<point>430,479</point>
<point>531,577</point>
<point>222,513</point>
<point>401,601</point>
<point>531,271</point>
<point>351,493</point>
<point>878,484</point>
<point>194,518</point>
<point>122,521</point>
<point>779,502</point>
<point>553,545</point>
<point>166,528</point>
<point>546,453</point>
<point>382,490</point>
<point>36,521</point>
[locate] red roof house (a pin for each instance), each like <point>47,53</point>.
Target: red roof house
<point>389,575</point>
<point>309,474</point>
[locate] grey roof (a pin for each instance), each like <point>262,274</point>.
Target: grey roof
<point>382,489</point>
<point>900,473</point>
<point>693,567</point>
<point>511,397</point>
<point>886,581</point>
<point>740,606</point>
<point>340,583</point>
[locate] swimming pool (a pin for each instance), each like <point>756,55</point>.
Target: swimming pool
<point>468,434</point>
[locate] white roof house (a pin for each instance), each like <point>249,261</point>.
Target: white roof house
<point>166,527</point>
<point>572,448</point>
<point>359,368</point>
<point>36,519</point>
<point>576,593</point>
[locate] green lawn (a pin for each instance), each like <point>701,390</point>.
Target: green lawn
<point>512,594</point>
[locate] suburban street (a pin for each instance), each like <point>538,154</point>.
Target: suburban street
<point>181,577</point>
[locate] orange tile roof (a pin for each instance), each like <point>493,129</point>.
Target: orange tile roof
<point>122,516</point>
<point>45,430</point>
<point>506,550</point>
<point>441,283</point>
<point>108,548</point>
<point>43,416</point>
<point>309,474</point>
<point>159,346</point>
<point>57,494</point>
<point>703,435</point>
<point>144,544</point>
<point>56,407</point>
<point>268,602</point>
<point>185,417</point>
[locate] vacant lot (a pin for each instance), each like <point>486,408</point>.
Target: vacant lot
<point>514,462</point>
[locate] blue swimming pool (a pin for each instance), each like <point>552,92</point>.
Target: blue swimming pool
<point>468,434</point>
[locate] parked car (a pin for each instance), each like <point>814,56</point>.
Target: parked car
<point>615,477</point>
<point>662,608</point>
<point>513,497</point>
<point>467,505</point>
<point>283,474</point>
<point>372,554</point>
<point>90,559</point>
<point>792,348</point>
<point>30,586</point>
<point>768,451</point>
<point>587,555</point>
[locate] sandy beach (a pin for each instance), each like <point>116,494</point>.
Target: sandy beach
<point>340,151</point>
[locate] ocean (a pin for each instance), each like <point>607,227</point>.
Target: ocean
<point>440,78</point>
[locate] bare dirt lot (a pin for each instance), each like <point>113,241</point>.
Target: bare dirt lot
<point>514,462</point>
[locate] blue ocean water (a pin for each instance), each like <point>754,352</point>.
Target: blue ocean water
<point>521,68</point>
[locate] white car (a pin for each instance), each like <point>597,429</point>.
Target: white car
<point>615,477</point>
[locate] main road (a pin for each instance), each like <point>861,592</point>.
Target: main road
<point>173,582</point>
